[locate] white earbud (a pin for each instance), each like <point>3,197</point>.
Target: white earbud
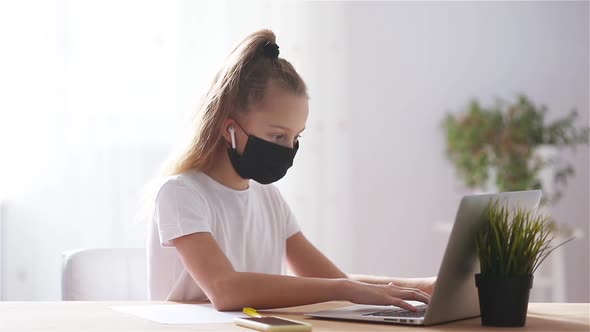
<point>232,133</point>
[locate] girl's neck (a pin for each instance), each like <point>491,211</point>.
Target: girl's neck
<point>224,173</point>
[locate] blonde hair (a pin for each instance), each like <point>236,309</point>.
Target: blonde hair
<point>240,83</point>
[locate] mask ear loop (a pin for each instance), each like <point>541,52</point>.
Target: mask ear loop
<point>232,133</point>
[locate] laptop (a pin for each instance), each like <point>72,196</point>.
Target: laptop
<point>455,296</point>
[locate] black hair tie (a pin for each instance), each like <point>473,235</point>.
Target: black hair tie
<point>271,50</point>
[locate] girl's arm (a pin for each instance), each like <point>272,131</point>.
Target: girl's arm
<point>424,284</point>
<point>231,290</point>
<point>307,261</point>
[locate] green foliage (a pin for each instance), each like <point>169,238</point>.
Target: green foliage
<point>514,243</point>
<point>504,137</point>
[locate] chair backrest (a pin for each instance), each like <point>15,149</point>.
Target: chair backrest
<point>110,274</point>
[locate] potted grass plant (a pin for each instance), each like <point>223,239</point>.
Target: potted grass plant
<point>511,244</point>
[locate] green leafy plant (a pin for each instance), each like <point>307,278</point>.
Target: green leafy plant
<point>503,138</point>
<point>514,242</point>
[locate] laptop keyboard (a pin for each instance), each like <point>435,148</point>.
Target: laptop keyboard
<point>421,310</point>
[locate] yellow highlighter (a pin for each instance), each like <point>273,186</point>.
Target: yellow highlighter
<point>269,323</point>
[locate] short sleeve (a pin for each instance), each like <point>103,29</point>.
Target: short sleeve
<point>180,210</point>
<point>291,224</point>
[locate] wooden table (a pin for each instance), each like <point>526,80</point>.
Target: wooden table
<point>97,316</point>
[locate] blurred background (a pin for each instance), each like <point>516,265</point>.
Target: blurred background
<point>94,95</point>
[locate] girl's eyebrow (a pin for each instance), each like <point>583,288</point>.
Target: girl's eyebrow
<point>285,128</point>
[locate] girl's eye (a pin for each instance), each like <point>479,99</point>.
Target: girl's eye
<point>280,137</point>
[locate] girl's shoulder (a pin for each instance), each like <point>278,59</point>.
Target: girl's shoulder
<point>186,181</point>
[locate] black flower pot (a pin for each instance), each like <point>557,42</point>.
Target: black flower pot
<point>503,301</point>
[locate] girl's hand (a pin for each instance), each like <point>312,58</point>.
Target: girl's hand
<point>365,293</point>
<point>424,284</point>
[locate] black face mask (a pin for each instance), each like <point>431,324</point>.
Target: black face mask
<point>262,161</point>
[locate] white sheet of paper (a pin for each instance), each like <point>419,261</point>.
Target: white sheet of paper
<point>179,313</point>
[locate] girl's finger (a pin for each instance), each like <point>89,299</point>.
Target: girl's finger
<point>422,295</point>
<point>413,295</point>
<point>402,304</point>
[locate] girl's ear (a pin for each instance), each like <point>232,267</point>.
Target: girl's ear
<point>228,131</point>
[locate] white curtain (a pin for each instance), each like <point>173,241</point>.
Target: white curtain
<point>94,95</point>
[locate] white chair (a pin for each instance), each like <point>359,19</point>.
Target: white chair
<point>110,274</point>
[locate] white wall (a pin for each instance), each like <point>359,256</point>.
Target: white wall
<point>97,91</point>
<point>381,171</point>
<point>409,64</point>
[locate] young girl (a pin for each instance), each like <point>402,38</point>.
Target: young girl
<point>216,234</point>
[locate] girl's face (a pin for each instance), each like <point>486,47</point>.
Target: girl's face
<point>279,118</point>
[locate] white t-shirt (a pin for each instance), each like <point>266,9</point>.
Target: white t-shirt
<point>251,227</point>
